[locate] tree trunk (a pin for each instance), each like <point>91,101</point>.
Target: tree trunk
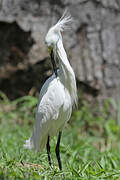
<point>93,43</point>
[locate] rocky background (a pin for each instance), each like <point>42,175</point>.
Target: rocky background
<point>92,44</point>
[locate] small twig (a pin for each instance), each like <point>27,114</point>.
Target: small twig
<point>28,165</point>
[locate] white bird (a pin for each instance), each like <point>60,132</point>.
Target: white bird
<point>57,95</point>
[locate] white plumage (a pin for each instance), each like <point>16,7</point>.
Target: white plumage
<point>57,95</point>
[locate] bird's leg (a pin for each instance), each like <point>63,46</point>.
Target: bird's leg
<point>48,150</point>
<point>57,150</point>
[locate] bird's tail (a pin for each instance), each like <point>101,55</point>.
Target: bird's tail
<point>32,143</point>
<point>38,140</point>
<point>28,144</point>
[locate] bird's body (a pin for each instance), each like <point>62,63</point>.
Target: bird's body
<point>57,97</point>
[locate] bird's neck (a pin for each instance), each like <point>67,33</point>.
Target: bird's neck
<point>66,72</point>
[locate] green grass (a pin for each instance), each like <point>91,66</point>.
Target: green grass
<point>90,146</point>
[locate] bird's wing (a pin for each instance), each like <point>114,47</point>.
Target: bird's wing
<point>50,101</point>
<point>45,87</point>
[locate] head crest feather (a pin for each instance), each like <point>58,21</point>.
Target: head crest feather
<point>64,22</point>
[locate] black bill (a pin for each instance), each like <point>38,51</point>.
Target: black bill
<point>53,62</point>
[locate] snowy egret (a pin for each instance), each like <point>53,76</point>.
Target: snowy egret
<point>57,96</point>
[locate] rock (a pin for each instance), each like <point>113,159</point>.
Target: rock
<point>93,43</point>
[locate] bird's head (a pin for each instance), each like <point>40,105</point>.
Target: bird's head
<point>54,35</point>
<point>52,38</point>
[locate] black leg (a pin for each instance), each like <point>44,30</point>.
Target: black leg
<point>48,150</point>
<point>57,150</point>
